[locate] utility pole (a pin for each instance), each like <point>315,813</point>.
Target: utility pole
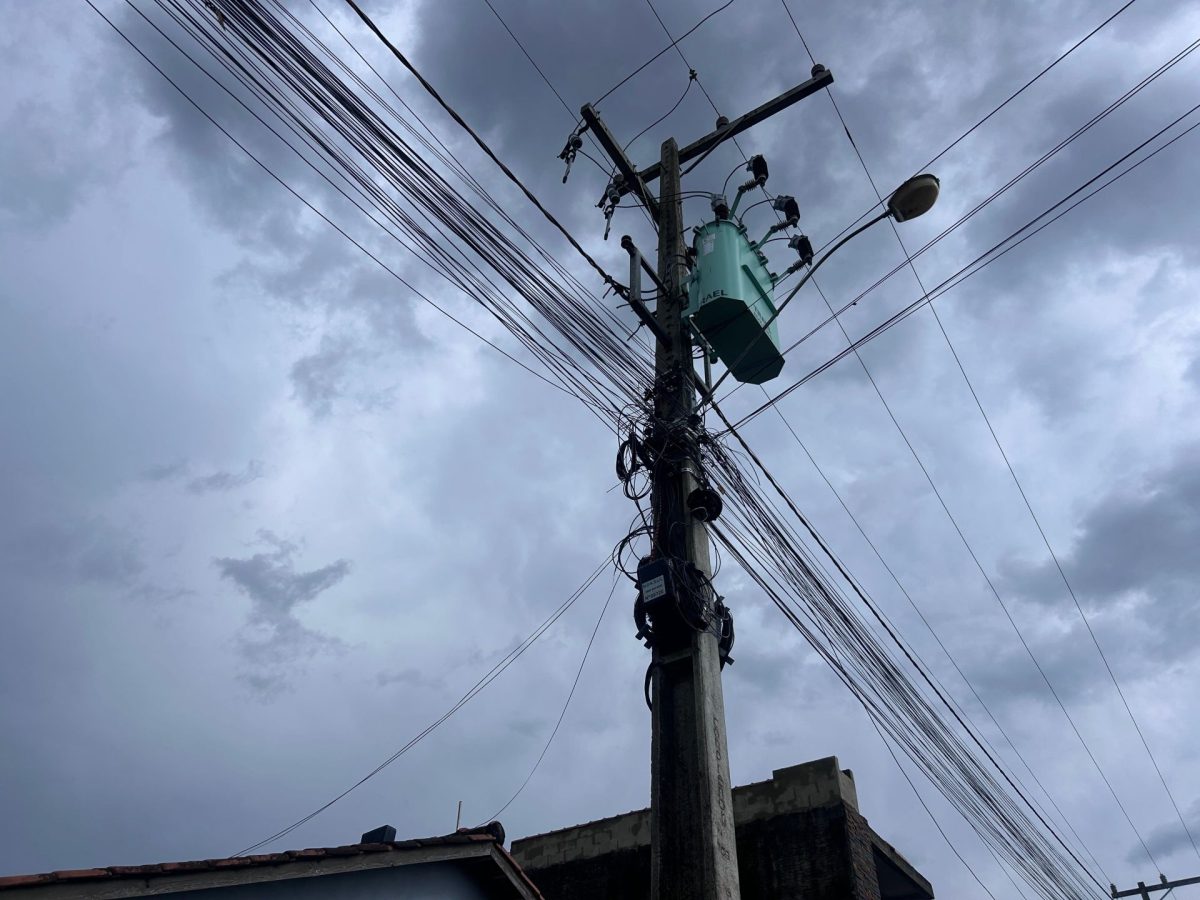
<point>1143,890</point>
<point>693,845</point>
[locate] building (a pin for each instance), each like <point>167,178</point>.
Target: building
<point>469,865</point>
<point>800,836</point>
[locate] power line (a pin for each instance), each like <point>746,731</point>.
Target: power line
<point>1120,101</point>
<point>980,262</point>
<point>1028,84</point>
<point>925,806</point>
<point>674,45</point>
<point>864,666</point>
<point>732,428</point>
<point>492,674</point>
<point>692,73</point>
<point>975,396</point>
<point>566,703</point>
<point>1079,43</point>
<point>979,405</point>
<point>572,115</point>
<point>361,128</point>
<point>361,183</point>
<point>533,62</point>
<point>277,178</point>
<point>691,80</point>
<point>297,71</point>
<point>237,19</point>
<point>937,637</point>
<point>286,68</point>
<point>1070,589</point>
<point>1128,94</point>
<point>737,488</point>
<point>508,173</point>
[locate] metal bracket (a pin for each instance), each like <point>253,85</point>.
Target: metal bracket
<point>822,79</point>
<point>636,264</point>
<point>631,181</point>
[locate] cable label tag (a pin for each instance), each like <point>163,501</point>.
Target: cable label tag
<point>654,588</point>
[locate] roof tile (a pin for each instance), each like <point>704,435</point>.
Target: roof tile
<point>16,881</point>
<point>310,853</point>
<point>233,862</point>
<point>268,859</point>
<point>237,862</point>
<point>195,865</point>
<point>78,874</point>
<point>348,850</point>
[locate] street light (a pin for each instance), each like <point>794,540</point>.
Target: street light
<point>913,198</point>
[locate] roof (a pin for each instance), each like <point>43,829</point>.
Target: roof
<point>478,846</point>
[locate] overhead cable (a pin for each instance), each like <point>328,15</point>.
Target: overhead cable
<point>566,704</point>
<point>773,544</point>
<point>1007,100</point>
<point>508,173</point>
<point>674,45</point>
<point>491,675</point>
<point>980,262</point>
<point>954,352</point>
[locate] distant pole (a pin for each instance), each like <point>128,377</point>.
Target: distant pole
<point>1144,890</point>
<point>458,818</point>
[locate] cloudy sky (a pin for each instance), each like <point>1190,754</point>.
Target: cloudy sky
<point>265,515</point>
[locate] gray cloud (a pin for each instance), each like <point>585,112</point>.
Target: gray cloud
<point>1137,541</point>
<point>1171,838</point>
<point>191,310</point>
<point>218,481</point>
<point>57,170</point>
<point>342,370</point>
<point>411,678</point>
<point>275,639</point>
<point>293,257</point>
<point>223,481</point>
<point>319,378</point>
<point>1193,372</point>
<point>92,550</point>
<point>1133,568</point>
<point>165,471</point>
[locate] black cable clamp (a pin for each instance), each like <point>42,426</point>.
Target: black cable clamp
<point>725,637</point>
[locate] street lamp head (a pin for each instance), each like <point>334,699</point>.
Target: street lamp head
<point>914,198</point>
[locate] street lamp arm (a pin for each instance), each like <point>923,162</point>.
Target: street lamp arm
<point>828,253</point>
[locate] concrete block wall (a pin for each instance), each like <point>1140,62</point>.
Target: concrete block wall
<point>795,788</point>
<point>800,836</point>
<point>617,834</point>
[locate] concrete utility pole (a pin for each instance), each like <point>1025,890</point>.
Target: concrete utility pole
<point>693,846</point>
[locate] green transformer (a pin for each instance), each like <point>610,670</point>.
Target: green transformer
<point>730,302</point>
